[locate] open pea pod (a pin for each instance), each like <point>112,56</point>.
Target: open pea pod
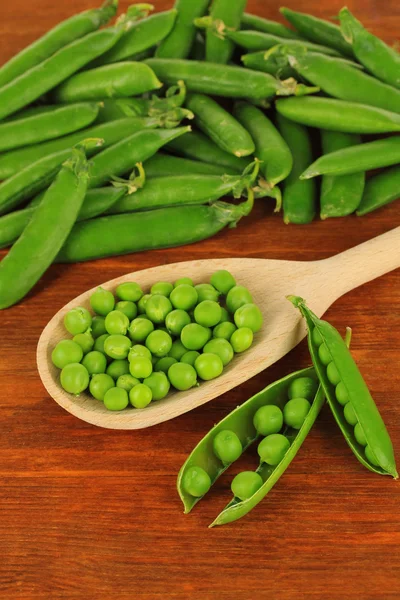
<point>348,396</point>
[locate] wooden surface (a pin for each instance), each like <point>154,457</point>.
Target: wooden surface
<point>93,513</point>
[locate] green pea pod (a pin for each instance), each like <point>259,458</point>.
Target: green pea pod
<point>63,34</point>
<point>266,26</point>
<point>170,227</point>
<point>364,157</point>
<point>336,367</point>
<point>340,195</point>
<point>47,125</point>
<point>269,62</point>
<point>226,81</point>
<point>179,42</point>
<point>219,50</point>
<point>381,60</point>
<point>225,131</point>
<point>46,232</point>
<point>271,149</point>
<point>338,115</point>
<point>380,190</point>
<point>318,31</point>
<point>165,165</point>
<point>299,201</point>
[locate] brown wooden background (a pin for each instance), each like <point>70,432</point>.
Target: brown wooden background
<point>90,513</point>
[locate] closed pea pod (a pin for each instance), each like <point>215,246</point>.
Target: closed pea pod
<point>164,165</point>
<point>360,403</point>
<point>220,125</point>
<point>380,190</point>
<point>179,42</point>
<point>340,196</point>
<point>299,201</point>
<point>268,62</point>
<point>230,13</point>
<point>259,24</point>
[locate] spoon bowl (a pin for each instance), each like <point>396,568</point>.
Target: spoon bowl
<point>270,281</point>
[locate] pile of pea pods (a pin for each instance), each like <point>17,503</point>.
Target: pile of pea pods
<point>178,109</point>
<point>279,419</point>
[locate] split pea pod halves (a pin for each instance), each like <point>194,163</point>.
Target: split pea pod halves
<point>348,396</point>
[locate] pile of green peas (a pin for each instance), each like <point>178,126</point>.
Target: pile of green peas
<point>138,344</point>
<point>271,423</point>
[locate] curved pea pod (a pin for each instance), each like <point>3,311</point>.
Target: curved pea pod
<point>299,201</point>
<point>340,195</point>
<point>269,62</point>
<point>267,26</point>
<point>335,366</point>
<point>179,42</point>
<point>338,115</point>
<point>220,125</point>
<point>219,50</point>
<point>381,60</point>
<point>318,30</point>
<point>63,34</point>
<point>381,189</point>
<point>166,165</point>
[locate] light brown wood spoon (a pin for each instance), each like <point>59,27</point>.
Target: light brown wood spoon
<point>270,281</point>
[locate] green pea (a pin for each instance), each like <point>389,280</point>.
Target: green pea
<point>268,419</point>
<point>163,364</point>
<point>208,366</point>
<point>85,341</point>
<point>303,387</point>
<point>95,362</point>
<point>246,484</point>
<point>117,346</point>
<point>295,412</point>
<point>223,281</point>
<point>225,316</point>
<point>182,376</point>
<point>140,396</point>
<point>227,446</point>
<point>324,354</point>
<point>127,382</point>
<point>100,384</point>
<point>206,291</point>
<point>77,320</point>
<point>99,343</point>
<point>220,347</point>
<point>65,353</point>
<point>176,320</point>
<point>116,399</point>
<point>349,414</point>
<point>139,329</point>
<point>98,327</point>
<point>370,456</point>
<point>159,385</point>
<point>238,296</point>
<point>196,482</point>
<point>184,281</point>
<point>317,337</point>
<point>118,367</point>
<point>74,378</point>
<point>163,288</point>
<point>177,350</point>
<point>128,308</point>
<point>159,343</point>
<point>189,357</point>
<point>116,322</point>
<point>138,350</point>
<point>102,301</point>
<point>195,336</point>
<point>273,448</point>
<point>184,297</point>
<point>241,339</point>
<point>224,330</point>
<point>341,393</point>
<point>360,435</point>
<point>140,367</point>
<point>157,307</point>
<point>141,305</point>
<point>333,374</point>
<point>129,291</point>
<point>249,315</point>
<point>207,313</point>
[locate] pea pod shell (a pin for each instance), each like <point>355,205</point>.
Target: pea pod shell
<point>276,66</point>
<point>359,396</point>
<point>254,41</point>
<point>380,190</point>
<point>179,42</point>
<point>267,26</point>
<point>219,50</point>
<point>166,165</point>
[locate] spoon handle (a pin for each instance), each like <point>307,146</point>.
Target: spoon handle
<point>352,268</point>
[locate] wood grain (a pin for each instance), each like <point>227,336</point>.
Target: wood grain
<point>93,513</point>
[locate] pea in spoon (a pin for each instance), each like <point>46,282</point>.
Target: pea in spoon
<point>270,281</point>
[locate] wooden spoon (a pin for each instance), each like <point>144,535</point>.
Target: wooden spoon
<point>270,281</point>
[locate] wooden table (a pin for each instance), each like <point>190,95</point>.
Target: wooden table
<point>92,513</point>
